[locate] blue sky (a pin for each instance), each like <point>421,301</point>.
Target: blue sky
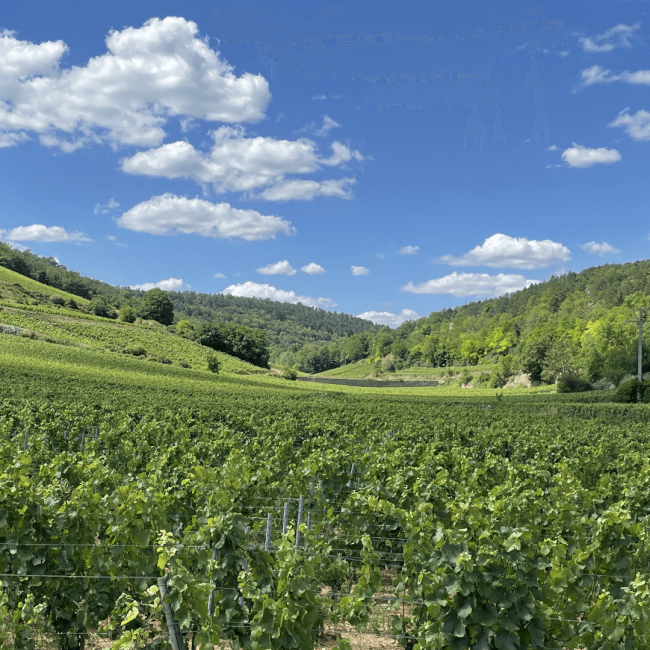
<point>385,159</point>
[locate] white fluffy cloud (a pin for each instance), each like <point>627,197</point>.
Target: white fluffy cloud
<point>599,75</point>
<point>617,36</point>
<point>237,163</point>
<point>125,96</point>
<point>279,268</point>
<point>637,126</point>
<point>168,214</point>
<point>264,291</point>
<point>171,284</point>
<point>409,250</point>
<point>580,156</point>
<point>359,270</point>
<point>513,252</point>
<point>599,249</point>
<point>39,232</point>
<point>388,318</point>
<point>313,269</point>
<point>472,284</point>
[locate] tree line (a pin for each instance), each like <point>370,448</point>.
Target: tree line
<point>575,325</point>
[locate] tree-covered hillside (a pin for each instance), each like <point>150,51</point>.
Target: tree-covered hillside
<point>288,327</point>
<point>574,324</point>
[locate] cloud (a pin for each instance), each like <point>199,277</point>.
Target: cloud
<point>125,96</point>
<point>328,125</point>
<point>359,270</point>
<point>599,75</point>
<point>313,269</point>
<point>237,163</point>
<point>106,207</point>
<point>618,36</point>
<point>637,126</point>
<point>40,233</point>
<point>304,190</point>
<point>264,291</point>
<point>388,318</point>
<point>219,275</point>
<point>323,130</point>
<point>12,139</point>
<point>580,156</point>
<point>472,284</point>
<point>513,252</point>
<point>409,250</point>
<point>117,243</point>
<point>553,147</point>
<point>279,268</point>
<point>14,245</point>
<point>171,284</point>
<point>319,98</point>
<point>169,214</point>
<point>599,249</point>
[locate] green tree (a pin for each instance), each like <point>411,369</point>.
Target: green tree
<point>214,364</point>
<point>99,307</point>
<point>128,314</point>
<point>157,306</point>
<point>237,340</point>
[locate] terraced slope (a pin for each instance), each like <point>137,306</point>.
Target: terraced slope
<point>21,289</point>
<point>57,325</point>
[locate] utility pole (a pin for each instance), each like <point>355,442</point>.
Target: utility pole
<point>639,361</point>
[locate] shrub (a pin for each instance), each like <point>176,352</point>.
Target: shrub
<point>57,300</point>
<point>183,327</point>
<point>136,352</point>
<point>165,361</point>
<point>572,384</point>
<point>72,304</point>
<point>214,364</point>
<point>482,379</point>
<point>99,307</point>
<point>290,374</point>
<point>128,314</point>
<point>626,393</point>
<point>184,364</point>
<point>465,377</point>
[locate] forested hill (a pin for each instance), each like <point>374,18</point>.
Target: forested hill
<point>288,327</point>
<point>574,324</point>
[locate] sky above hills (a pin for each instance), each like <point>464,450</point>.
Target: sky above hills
<point>385,159</point>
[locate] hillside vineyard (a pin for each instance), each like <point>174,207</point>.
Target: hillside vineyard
<point>276,517</point>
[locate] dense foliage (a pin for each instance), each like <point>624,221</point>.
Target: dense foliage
<point>288,327</point>
<point>572,325</point>
<point>459,522</point>
<point>237,340</point>
<point>156,305</point>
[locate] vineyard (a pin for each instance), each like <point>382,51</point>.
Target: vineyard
<point>69,328</point>
<point>148,506</point>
